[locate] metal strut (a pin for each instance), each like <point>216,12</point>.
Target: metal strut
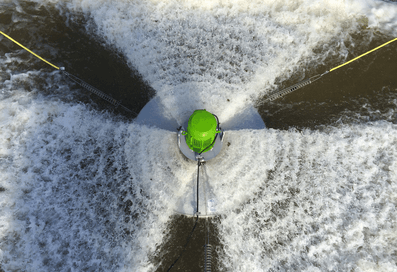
<point>207,249</point>
<point>207,246</point>
<point>293,88</point>
<point>94,90</point>
<point>208,257</point>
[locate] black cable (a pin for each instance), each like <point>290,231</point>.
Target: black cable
<point>216,135</point>
<point>187,241</point>
<point>198,174</point>
<point>197,217</point>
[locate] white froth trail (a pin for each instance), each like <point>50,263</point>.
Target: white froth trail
<point>198,54</point>
<point>311,201</point>
<point>67,173</point>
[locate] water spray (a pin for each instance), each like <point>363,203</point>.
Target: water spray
<point>200,138</point>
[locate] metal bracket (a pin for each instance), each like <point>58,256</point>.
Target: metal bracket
<point>200,158</point>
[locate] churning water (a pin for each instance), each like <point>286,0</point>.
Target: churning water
<point>83,188</point>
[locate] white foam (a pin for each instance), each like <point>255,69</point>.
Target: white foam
<point>346,192</point>
<point>310,201</point>
<point>61,195</point>
<point>198,54</point>
<point>380,14</point>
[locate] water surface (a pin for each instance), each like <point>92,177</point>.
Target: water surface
<point>84,188</point>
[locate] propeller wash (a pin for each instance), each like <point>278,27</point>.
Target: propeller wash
<point>83,190</point>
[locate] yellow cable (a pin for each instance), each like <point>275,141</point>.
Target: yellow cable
<point>56,67</point>
<point>363,55</point>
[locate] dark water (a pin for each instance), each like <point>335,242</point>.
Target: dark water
<point>361,92</point>
<point>70,43</point>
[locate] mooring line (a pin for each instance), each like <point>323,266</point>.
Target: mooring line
<point>34,54</point>
<point>75,79</point>
<point>362,55</point>
<point>280,93</point>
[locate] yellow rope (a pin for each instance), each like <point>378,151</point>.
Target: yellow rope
<point>56,67</point>
<point>363,55</point>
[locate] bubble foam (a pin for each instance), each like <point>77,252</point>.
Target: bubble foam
<point>315,198</point>
<point>198,54</point>
<point>85,190</point>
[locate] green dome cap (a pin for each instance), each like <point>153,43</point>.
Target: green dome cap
<point>201,130</point>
